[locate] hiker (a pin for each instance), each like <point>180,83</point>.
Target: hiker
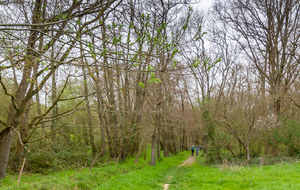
<point>193,150</point>
<point>197,151</point>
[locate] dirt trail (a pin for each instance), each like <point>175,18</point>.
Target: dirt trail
<point>187,162</point>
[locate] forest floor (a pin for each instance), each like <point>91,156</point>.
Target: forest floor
<point>187,162</point>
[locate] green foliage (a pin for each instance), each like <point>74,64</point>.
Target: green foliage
<point>62,158</point>
<point>91,47</point>
<point>287,137</point>
<point>40,162</point>
<point>142,84</point>
<point>153,79</point>
<point>213,150</point>
<point>206,63</point>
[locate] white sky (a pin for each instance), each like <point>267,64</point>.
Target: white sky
<point>205,4</point>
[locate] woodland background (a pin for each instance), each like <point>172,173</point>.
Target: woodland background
<point>81,80</point>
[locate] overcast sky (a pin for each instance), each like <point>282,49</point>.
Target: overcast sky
<point>205,4</point>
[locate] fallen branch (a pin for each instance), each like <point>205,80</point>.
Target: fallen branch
<point>79,170</point>
<point>96,158</point>
<point>21,171</point>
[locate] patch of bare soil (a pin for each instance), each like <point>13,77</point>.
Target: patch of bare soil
<point>166,186</point>
<point>189,161</point>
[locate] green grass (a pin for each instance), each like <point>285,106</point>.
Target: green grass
<point>123,176</point>
<point>142,176</point>
<point>280,176</point>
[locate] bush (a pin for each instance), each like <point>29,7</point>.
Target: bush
<point>287,137</point>
<point>47,161</point>
<point>40,162</point>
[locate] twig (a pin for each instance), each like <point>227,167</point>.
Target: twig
<point>20,138</point>
<point>21,171</point>
<point>96,158</point>
<point>118,159</point>
<point>79,170</point>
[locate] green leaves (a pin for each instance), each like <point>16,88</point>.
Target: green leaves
<point>196,62</point>
<point>199,34</point>
<point>153,79</point>
<point>150,68</point>
<point>116,40</point>
<point>174,63</point>
<point>92,51</point>
<point>103,52</point>
<point>206,64</point>
<point>141,84</point>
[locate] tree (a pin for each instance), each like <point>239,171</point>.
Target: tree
<point>34,64</point>
<point>267,32</point>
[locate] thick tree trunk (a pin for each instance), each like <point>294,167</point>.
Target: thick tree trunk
<point>6,138</point>
<point>23,130</point>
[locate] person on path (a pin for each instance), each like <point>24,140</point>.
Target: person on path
<point>197,151</point>
<point>193,150</point>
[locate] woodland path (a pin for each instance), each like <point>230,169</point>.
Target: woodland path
<point>187,162</point>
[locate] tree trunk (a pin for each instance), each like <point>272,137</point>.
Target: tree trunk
<point>248,153</point>
<point>6,138</point>
<point>153,149</point>
<point>145,154</point>
<point>90,123</point>
<point>157,143</point>
<point>23,130</point>
<point>100,113</point>
<point>53,97</point>
<point>166,144</point>
<point>173,140</point>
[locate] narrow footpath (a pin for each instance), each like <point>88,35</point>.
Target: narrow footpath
<point>187,162</point>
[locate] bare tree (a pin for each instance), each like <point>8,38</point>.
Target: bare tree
<point>29,62</point>
<point>268,33</point>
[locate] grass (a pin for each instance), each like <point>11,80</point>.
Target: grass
<point>275,177</point>
<point>142,176</point>
<point>123,176</point>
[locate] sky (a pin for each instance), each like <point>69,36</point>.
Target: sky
<point>205,4</point>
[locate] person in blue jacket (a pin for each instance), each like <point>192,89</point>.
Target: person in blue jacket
<point>197,151</point>
<point>193,150</point>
